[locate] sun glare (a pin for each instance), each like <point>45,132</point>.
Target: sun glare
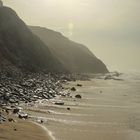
<point>70,29</point>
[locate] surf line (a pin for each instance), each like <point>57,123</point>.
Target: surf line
<point>50,134</point>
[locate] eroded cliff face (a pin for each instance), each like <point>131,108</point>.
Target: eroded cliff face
<point>19,47</point>
<point>74,56</point>
<point>47,50</point>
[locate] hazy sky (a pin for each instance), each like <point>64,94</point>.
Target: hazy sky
<point>110,28</point>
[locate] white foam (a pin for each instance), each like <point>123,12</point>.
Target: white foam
<point>49,133</point>
<point>69,114</point>
<point>75,122</point>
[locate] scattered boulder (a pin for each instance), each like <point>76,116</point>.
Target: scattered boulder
<point>59,103</point>
<point>31,87</point>
<point>16,110</point>
<point>79,85</point>
<point>73,89</point>
<point>23,115</point>
<point>41,121</point>
<point>68,108</point>
<point>78,96</point>
<point>11,120</point>
<point>15,129</point>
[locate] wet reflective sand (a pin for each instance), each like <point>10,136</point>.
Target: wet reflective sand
<point>108,110</point>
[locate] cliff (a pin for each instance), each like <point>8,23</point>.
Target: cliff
<point>19,47</point>
<point>74,56</point>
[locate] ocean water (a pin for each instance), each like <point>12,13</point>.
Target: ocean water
<point>108,110</point>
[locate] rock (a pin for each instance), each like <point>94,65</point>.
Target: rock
<point>15,129</point>
<point>40,121</point>
<point>23,115</point>
<point>13,100</point>
<point>73,89</point>
<point>59,103</point>
<point>7,108</point>
<point>30,87</point>
<point>45,96</point>
<point>78,96</point>
<point>16,110</point>
<point>79,85</point>
<point>2,118</point>
<point>68,108</point>
<point>11,120</point>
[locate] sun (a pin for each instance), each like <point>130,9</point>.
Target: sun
<point>70,29</point>
<point>71,26</point>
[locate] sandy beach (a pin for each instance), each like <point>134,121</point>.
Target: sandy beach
<point>22,130</point>
<point>108,110</point>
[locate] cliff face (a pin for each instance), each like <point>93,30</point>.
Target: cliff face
<point>47,50</point>
<point>75,57</point>
<point>19,47</point>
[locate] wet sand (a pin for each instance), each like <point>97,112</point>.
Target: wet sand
<point>22,130</point>
<point>108,110</point>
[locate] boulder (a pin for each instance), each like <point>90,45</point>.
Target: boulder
<point>78,96</point>
<point>73,89</point>
<point>11,120</point>
<point>68,108</point>
<point>23,115</point>
<point>59,103</point>
<point>79,85</point>
<point>16,110</point>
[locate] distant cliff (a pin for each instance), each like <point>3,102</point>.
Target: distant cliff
<point>20,48</point>
<point>75,57</point>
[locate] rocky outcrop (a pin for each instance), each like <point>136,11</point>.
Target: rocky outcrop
<point>74,56</point>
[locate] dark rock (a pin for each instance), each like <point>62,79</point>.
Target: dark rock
<point>79,85</point>
<point>15,129</point>
<point>16,110</point>
<point>68,108</point>
<point>13,100</point>
<point>73,89</point>
<point>78,96</point>
<point>23,115</point>
<point>42,121</point>
<point>59,103</point>
<point>11,120</point>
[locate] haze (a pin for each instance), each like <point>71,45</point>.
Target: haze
<point>110,28</point>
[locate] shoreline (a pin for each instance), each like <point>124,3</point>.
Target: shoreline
<point>12,125</point>
<point>48,132</point>
<point>22,130</point>
<point>38,129</point>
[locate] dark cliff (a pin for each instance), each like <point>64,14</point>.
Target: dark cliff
<point>20,48</point>
<point>75,57</point>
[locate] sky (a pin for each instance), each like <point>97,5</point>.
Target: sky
<point>109,28</point>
